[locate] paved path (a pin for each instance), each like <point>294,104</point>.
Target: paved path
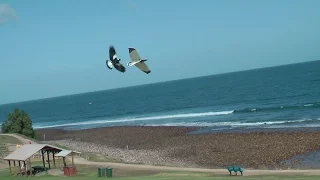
<point>247,172</point>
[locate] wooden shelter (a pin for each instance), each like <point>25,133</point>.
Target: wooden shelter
<point>65,153</point>
<point>68,170</point>
<point>25,152</point>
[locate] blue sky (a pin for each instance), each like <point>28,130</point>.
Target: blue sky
<point>53,48</point>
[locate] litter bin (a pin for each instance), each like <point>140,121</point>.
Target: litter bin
<point>66,171</point>
<point>101,172</point>
<point>72,170</point>
<point>109,172</point>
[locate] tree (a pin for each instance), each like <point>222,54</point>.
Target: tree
<point>18,122</point>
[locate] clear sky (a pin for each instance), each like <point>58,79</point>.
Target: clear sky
<point>59,47</point>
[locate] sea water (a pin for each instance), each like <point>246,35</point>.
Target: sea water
<point>277,97</point>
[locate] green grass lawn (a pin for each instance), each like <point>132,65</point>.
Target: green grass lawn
<point>91,173</point>
<point>167,176</point>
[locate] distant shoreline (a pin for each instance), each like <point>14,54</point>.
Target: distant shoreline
<point>177,146</point>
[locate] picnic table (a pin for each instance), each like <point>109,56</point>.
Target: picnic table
<point>38,169</point>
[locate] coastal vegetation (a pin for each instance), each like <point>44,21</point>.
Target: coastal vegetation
<point>18,122</point>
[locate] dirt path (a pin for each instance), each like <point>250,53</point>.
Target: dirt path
<point>247,172</point>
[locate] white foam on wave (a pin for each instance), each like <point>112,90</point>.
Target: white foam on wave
<point>308,105</point>
<point>230,123</point>
<point>185,115</point>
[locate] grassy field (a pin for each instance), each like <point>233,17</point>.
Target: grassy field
<point>85,174</point>
<point>99,157</point>
<point>26,137</point>
<point>5,141</point>
<point>9,139</point>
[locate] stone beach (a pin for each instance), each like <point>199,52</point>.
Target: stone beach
<point>172,146</point>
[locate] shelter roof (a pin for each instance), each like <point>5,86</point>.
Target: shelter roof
<point>27,150</point>
<point>65,153</point>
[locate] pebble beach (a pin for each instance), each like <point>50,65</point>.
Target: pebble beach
<point>176,146</point>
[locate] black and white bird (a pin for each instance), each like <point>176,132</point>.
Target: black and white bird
<point>114,61</point>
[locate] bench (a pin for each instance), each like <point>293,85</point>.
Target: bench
<point>235,169</point>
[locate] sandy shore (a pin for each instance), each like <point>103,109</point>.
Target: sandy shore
<point>172,146</point>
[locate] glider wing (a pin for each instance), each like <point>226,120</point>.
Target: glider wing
<point>137,61</point>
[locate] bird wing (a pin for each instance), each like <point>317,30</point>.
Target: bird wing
<point>112,53</point>
<point>119,67</point>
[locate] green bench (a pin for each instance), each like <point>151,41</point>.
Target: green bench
<point>235,169</point>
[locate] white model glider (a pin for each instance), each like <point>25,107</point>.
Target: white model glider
<point>137,61</point>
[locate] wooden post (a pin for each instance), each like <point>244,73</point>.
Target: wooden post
<point>44,164</point>
<point>20,167</point>
<point>25,167</point>
<point>14,164</point>
<point>54,160</point>
<point>10,167</point>
<point>72,158</point>
<point>48,158</point>
<point>30,169</point>
<point>59,163</point>
<point>64,161</point>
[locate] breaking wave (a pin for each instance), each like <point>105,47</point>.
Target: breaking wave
<point>292,123</point>
<point>174,116</point>
<point>279,108</point>
<point>128,120</point>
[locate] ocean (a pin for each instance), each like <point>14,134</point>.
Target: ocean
<point>278,97</point>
